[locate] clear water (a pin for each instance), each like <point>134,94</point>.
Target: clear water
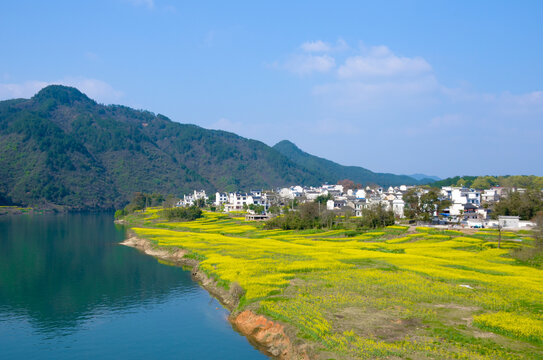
<point>69,290</point>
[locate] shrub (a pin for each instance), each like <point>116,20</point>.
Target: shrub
<point>183,213</point>
<point>120,213</point>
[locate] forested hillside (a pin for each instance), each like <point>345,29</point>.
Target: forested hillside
<point>486,182</point>
<point>62,149</point>
<point>334,171</point>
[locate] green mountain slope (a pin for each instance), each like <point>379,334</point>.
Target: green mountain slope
<point>61,148</point>
<point>334,171</point>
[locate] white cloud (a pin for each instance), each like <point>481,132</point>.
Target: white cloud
<point>307,64</point>
<point>319,46</point>
<point>22,90</point>
<point>93,88</point>
<point>379,61</point>
<point>147,3</point>
<point>314,58</point>
<point>316,46</point>
<point>357,95</point>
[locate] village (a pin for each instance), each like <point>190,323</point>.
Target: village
<point>467,207</point>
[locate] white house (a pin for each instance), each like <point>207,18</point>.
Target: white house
<point>335,204</point>
<point>190,199</point>
<point>465,196</point>
<point>490,195</point>
<point>360,194</point>
<point>398,206</point>
<point>291,192</point>
<point>313,194</point>
<point>221,198</point>
<point>237,200</point>
<point>456,209</point>
<point>358,206</point>
<point>509,222</point>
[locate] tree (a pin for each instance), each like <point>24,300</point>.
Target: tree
<point>421,205</point>
<point>170,201</point>
<point>323,199</point>
<point>462,182</point>
<point>183,213</point>
<point>526,204</point>
<point>309,213</point>
<point>156,199</point>
<point>429,203</point>
<point>201,203</point>
<point>349,184</point>
<point>327,219</point>
<point>211,199</point>
<point>307,217</point>
<point>258,209</point>
<point>484,182</point>
<point>411,199</point>
<point>376,216</point>
<point>274,210</point>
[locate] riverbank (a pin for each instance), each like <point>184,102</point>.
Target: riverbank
<point>21,210</point>
<point>266,335</point>
<point>18,210</point>
<point>390,293</point>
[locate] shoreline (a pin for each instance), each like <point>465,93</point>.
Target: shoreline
<point>6,210</point>
<point>269,337</point>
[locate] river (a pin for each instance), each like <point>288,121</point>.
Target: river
<point>69,290</point>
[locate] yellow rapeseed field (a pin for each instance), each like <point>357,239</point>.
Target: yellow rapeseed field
<point>389,293</point>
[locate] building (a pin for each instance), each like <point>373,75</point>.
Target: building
<point>490,196</point>
<point>190,199</point>
<point>221,198</point>
<point>398,206</point>
<point>509,222</point>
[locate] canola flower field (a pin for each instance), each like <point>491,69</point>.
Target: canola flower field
<point>390,293</point>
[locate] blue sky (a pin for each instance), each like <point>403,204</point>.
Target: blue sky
<point>442,88</point>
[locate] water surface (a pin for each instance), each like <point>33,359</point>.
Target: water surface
<point>69,290</point>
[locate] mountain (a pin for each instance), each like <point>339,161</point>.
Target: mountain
<point>334,171</point>
<point>61,149</point>
<point>428,178</point>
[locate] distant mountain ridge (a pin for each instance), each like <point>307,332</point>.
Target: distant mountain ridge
<point>62,149</point>
<point>424,177</point>
<point>334,171</point>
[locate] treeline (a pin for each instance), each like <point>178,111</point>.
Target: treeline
<point>310,216</point>
<point>532,255</point>
<point>486,182</point>
<point>183,213</point>
<point>524,204</point>
<point>141,201</point>
<point>5,200</point>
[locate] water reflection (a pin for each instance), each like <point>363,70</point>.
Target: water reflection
<point>68,289</point>
<point>58,269</point>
